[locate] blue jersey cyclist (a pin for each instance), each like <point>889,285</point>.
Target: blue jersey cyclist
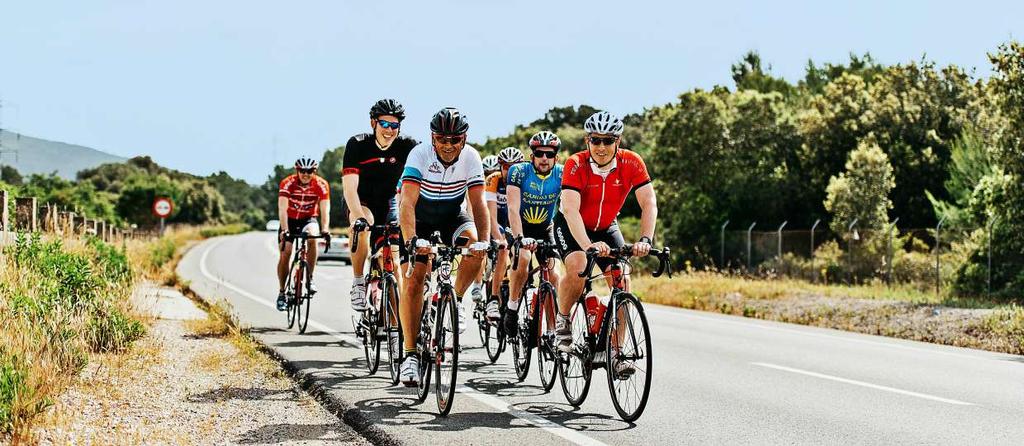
<point>497,210</point>
<point>532,191</point>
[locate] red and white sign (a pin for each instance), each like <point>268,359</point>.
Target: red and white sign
<point>162,207</point>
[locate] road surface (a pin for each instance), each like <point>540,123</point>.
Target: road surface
<point>717,379</point>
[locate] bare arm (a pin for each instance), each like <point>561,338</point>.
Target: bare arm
<point>648,210</point>
<point>514,203</point>
<point>571,212</point>
<point>476,202</point>
<point>350,184</point>
<point>282,211</point>
<point>492,212</point>
<point>325,215</point>
<point>407,213</point>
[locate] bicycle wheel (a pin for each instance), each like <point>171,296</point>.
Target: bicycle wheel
<point>521,345</point>
<point>425,350</point>
<point>298,293</point>
<point>302,303</point>
<point>290,299</point>
<point>576,366</point>
<point>495,341</point>
<point>547,357</point>
<point>390,296</point>
<point>447,362</point>
<point>371,335</point>
<point>630,358</point>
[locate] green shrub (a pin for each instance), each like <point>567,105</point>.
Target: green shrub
<point>232,229</point>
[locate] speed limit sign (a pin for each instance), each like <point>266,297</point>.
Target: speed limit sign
<point>162,207</point>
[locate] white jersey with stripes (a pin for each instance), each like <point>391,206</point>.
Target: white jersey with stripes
<point>442,188</point>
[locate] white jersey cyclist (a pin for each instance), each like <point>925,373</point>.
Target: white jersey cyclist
<point>442,189</point>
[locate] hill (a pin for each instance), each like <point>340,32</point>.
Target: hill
<point>35,155</point>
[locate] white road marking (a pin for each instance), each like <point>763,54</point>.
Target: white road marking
<point>767,326</point>
<point>863,384</point>
<point>494,402</point>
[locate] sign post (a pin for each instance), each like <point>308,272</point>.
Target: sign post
<point>162,208</point>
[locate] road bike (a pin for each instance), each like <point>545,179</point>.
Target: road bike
<point>492,333</point>
<point>297,291</point>
<point>380,321</point>
<point>536,318</point>
<point>614,336</point>
<point>437,344</point>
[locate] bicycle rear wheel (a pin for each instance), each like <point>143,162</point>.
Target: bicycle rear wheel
<point>303,303</point>
<point>547,357</point>
<point>577,368</point>
<point>425,350</point>
<point>630,358</point>
<point>495,340</point>
<point>371,338</point>
<point>390,296</point>
<point>447,362</point>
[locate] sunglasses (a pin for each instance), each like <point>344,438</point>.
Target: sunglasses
<point>388,124</point>
<point>545,154</point>
<point>307,171</point>
<point>450,139</point>
<point>606,141</point>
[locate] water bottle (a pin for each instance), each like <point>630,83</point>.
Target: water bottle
<point>371,288</point>
<point>595,312</point>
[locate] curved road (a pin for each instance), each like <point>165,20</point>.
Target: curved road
<point>717,379</point>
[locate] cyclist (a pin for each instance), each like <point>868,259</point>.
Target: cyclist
<point>490,163</point>
<point>302,197</point>
<point>533,190</point>
<point>371,163</point>
<point>595,184</point>
<point>497,210</point>
<point>437,176</point>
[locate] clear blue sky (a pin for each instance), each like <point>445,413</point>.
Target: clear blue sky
<point>203,86</point>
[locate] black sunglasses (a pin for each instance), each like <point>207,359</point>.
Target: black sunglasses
<point>606,141</point>
<point>388,124</point>
<point>307,170</point>
<point>545,154</point>
<point>450,139</point>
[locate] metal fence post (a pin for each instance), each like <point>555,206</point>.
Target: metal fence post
<point>722,238</point>
<point>749,230</point>
<point>889,249</point>
<point>851,235</point>
<point>814,272</point>
<point>778,255</point>
<point>938,251</point>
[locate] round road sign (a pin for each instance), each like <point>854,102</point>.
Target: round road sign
<point>162,207</point>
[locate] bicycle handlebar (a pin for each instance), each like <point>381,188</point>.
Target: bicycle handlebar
<point>289,237</point>
<point>625,252</point>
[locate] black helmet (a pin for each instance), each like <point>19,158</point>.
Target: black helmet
<point>449,121</point>
<point>387,107</point>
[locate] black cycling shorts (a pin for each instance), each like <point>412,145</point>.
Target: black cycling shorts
<point>450,229</point>
<point>567,243</point>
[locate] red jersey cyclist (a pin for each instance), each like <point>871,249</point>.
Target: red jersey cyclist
<point>303,205</point>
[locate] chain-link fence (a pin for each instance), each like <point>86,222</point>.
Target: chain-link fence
<point>930,258</point>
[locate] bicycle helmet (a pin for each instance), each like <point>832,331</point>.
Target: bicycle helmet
<point>306,162</point>
<point>490,163</point>
<point>604,123</point>
<point>510,155</point>
<point>545,139</point>
<point>449,121</point>
<point>387,107</point>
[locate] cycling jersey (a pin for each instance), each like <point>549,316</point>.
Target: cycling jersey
<point>442,188</point>
<point>603,191</point>
<point>538,194</point>
<point>304,199</point>
<point>376,169</point>
<point>494,190</point>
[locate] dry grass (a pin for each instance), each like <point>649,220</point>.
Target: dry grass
<point>221,322</point>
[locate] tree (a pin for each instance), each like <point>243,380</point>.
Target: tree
<point>862,191</point>
<point>10,175</point>
<point>748,75</point>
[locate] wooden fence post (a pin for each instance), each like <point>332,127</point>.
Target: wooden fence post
<point>26,214</point>
<point>4,212</point>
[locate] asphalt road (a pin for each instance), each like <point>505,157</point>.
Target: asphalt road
<point>717,379</point>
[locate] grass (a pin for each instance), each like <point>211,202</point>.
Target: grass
<point>232,229</point>
<point>899,311</point>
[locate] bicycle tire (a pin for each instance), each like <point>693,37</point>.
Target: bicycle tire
<point>371,340</point>
<point>638,350</point>
<point>577,367</point>
<point>547,357</point>
<point>447,363</point>
<point>424,350</point>
<point>289,298</point>
<point>521,345</point>
<point>303,302</point>
<point>394,357</point>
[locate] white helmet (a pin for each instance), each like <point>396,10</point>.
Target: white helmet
<point>306,162</point>
<point>510,155</point>
<point>490,163</point>
<point>604,123</point>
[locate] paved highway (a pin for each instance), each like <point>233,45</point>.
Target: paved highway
<point>717,379</point>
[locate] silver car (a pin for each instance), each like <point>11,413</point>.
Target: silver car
<point>339,250</point>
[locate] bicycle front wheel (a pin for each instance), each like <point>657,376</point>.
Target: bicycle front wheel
<point>302,304</point>
<point>630,358</point>
<point>447,363</point>
<point>521,345</point>
<point>371,337</point>
<point>425,350</point>
<point>547,357</point>
<point>577,367</point>
<point>392,327</point>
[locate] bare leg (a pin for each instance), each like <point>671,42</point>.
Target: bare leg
<point>410,305</point>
